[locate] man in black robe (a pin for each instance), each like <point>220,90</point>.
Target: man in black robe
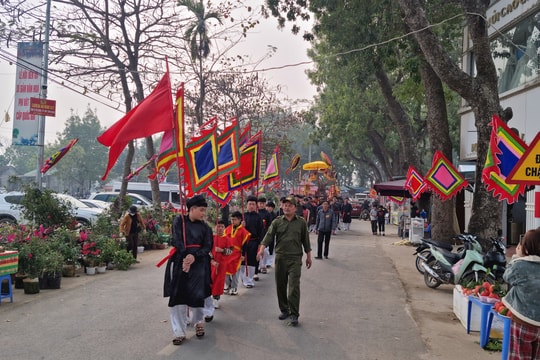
<point>254,224</point>
<point>187,276</point>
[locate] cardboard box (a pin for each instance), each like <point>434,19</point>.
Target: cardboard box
<point>9,262</point>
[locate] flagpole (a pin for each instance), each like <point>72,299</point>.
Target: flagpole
<point>43,95</point>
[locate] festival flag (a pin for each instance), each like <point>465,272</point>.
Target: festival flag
<point>140,168</point>
<point>505,150</point>
<point>248,172</point>
<point>201,162</point>
<point>415,183</point>
<point>166,157</point>
<point>152,115</point>
<point>271,173</point>
<point>397,199</point>
<point>443,178</point>
<point>228,149</point>
<point>55,158</point>
<point>222,198</point>
<point>244,135</point>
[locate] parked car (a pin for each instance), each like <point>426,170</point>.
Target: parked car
<point>96,203</point>
<point>356,210</point>
<point>137,200</point>
<point>10,208</point>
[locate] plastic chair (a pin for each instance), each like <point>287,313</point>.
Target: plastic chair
<point>10,293</point>
<point>485,308</point>
<point>506,331</point>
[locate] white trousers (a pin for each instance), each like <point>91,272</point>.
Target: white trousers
<point>269,258</point>
<point>231,281</point>
<point>208,306</point>
<point>179,318</point>
<point>247,279</point>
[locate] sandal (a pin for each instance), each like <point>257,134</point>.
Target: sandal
<point>178,340</point>
<point>199,330</point>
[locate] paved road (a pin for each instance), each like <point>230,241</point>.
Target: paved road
<point>355,305</point>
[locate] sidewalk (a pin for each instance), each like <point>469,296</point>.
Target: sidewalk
<point>432,309</point>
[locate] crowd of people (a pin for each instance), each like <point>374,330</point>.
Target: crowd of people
<point>204,265</point>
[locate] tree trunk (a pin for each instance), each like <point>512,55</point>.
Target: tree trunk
<point>480,92</point>
<point>408,153</point>
<point>442,212</point>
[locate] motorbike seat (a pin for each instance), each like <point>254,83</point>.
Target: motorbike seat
<point>439,244</point>
<point>451,256</point>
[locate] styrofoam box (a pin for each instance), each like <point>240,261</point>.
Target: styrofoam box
<point>460,310</point>
<point>460,307</point>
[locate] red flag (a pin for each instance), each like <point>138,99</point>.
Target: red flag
<point>152,115</point>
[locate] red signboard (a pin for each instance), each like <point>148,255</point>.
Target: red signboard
<point>43,107</point>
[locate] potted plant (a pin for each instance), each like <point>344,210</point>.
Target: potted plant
<point>31,263</point>
<point>123,259</point>
<point>91,256</point>
<point>52,266</point>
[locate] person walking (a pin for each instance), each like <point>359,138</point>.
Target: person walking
<point>221,251</point>
<point>292,240</point>
<point>187,275</point>
<point>381,219</point>
<point>346,212</point>
<point>324,224</point>
<point>130,226</point>
<point>373,218</point>
<point>523,298</point>
<point>238,236</point>
<point>254,224</point>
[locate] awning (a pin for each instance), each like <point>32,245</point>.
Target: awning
<point>392,188</point>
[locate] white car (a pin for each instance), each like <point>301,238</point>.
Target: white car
<point>10,210</point>
<point>96,203</point>
<point>136,199</point>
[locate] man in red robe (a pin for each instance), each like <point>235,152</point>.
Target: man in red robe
<point>221,254</point>
<point>238,236</point>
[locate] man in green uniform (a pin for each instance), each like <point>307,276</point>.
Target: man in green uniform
<point>292,240</point>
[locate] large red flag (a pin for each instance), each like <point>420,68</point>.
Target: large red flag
<point>152,115</point>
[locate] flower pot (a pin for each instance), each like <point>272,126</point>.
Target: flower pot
<point>90,270</point>
<point>101,269</point>
<point>50,281</point>
<point>110,266</point>
<point>140,249</point>
<point>31,286</point>
<point>69,270</point>
<point>19,281</point>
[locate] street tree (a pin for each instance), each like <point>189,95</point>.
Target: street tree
<point>479,91</point>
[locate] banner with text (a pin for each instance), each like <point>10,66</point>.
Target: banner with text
<point>27,86</point>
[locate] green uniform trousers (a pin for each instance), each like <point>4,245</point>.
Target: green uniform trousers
<point>287,271</point>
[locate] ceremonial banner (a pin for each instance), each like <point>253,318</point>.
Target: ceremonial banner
<point>271,174</point>
<point>248,172</point>
<point>397,199</point>
<point>228,149</point>
<point>443,178</point>
<point>505,150</point>
<point>201,162</point>
<point>55,158</point>
<point>168,153</point>
<point>415,183</point>
<point>152,115</point>
<point>27,85</point>
<point>219,191</point>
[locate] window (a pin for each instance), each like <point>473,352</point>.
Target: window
<point>516,54</point>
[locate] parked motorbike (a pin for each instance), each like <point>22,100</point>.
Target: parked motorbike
<point>364,215</point>
<point>495,258</point>
<point>452,268</point>
<point>423,252</point>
